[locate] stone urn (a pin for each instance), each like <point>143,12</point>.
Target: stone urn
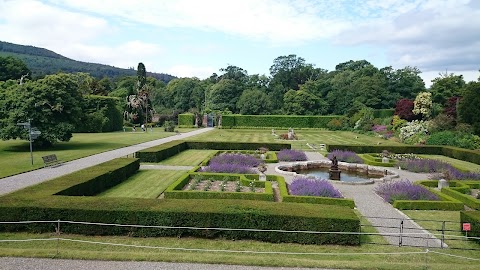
<point>262,168</point>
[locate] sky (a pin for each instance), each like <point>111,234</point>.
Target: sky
<point>195,38</point>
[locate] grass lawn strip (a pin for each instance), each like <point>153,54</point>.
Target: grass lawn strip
<point>459,164</point>
<point>144,184</point>
<point>16,153</point>
<point>189,157</point>
<point>432,221</point>
<point>354,260</point>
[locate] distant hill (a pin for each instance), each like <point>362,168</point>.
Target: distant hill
<point>43,62</point>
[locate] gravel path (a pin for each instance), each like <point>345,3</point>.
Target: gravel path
<point>55,264</point>
<point>16,182</point>
<point>380,214</point>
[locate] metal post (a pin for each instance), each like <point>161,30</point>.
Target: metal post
<point>443,234</point>
<point>400,239</point>
<point>58,236</point>
<point>30,139</point>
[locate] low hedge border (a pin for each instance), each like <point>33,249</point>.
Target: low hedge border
<point>369,159</point>
<point>158,153</point>
<point>458,190</point>
<point>447,203</point>
<point>277,121</point>
<point>472,217</point>
<point>175,190</point>
<point>449,151</point>
<point>282,186</point>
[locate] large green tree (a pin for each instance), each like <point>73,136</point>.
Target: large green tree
<point>12,68</point>
<point>225,95</point>
<point>446,86</point>
<point>254,102</point>
<point>299,102</point>
<point>468,108</point>
<point>53,104</point>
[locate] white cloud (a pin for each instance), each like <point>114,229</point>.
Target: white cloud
<point>275,21</point>
<point>432,36</point>
<point>185,70</point>
<point>34,23</point>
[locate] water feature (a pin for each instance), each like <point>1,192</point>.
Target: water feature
<point>353,174</point>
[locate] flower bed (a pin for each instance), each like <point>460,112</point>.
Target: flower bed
<point>291,155</point>
<point>232,163</point>
<point>200,183</point>
<point>404,190</point>
<point>345,156</point>
<point>303,186</point>
<point>446,170</point>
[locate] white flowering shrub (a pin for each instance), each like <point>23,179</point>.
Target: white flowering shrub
<point>413,131</point>
<point>423,104</point>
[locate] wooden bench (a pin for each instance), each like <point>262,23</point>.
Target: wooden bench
<point>50,160</point>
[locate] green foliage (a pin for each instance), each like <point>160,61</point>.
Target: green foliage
<point>441,122</point>
<point>12,68</point>
<point>383,113</point>
<point>53,104</point>
<point>371,160</point>
<point>454,138</point>
<point>284,121</point>
<point>303,103</point>
<point>338,124</point>
<point>445,87</point>
<point>254,101</point>
<point>423,104</point>
<point>101,114</point>
<point>468,108</point>
<point>398,123</point>
<point>468,200</point>
<point>225,94</point>
<point>169,126</point>
<point>161,152</point>
<point>186,119</point>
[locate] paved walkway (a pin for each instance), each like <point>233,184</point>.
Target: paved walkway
<point>55,264</point>
<point>16,182</point>
<point>380,214</point>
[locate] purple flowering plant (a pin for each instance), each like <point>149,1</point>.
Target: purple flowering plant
<point>303,186</point>
<point>291,155</point>
<point>232,163</point>
<point>345,156</point>
<point>445,170</point>
<point>404,190</point>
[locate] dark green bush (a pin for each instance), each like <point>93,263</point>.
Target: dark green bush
<point>237,145</point>
<point>383,113</point>
<point>102,114</point>
<point>276,121</point>
<point>161,152</point>
<point>186,120</point>
<point>371,160</point>
<point>456,139</point>
<point>468,200</point>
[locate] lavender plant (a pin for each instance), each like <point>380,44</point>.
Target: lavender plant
<point>241,159</point>
<point>443,169</point>
<point>303,186</point>
<point>404,190</point>
<point>345,156</point>
<point>291,155</point>
<point>228,168</point>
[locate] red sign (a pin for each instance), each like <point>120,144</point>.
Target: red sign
<point>466,227</point>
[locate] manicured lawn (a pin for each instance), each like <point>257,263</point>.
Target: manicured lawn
<point>459,164</point>
<point>343,257</point>
<point>188,158</point>
<point>15,154</point>
<point>432,221</point>
<point>310,136</point>
<point>144,184</point>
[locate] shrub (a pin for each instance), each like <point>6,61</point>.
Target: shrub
<point>413,131</point>
<point>397,122</point>
<point>404,109</point>
<point>345,156</point>
<point>453,138</point>
<point>232,163</point>
<point>404,190</point>
<point>291,155</point>
<point>445,170</point>
<point>186,119</point>
<point>303,186</point>
<point>169,126</point>
<point>280,121</point>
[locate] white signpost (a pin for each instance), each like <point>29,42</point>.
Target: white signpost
<point>33,133</point>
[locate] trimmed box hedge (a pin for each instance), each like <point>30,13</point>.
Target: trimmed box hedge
<point>369,159</point>
<point>175,190</point>
<point>166,150</point>
<point>472,217</point>
<point>277,121</point>
<point>39,202</point>
<point>449,151</point>
<point>447,203</point>
<point>307,199</point>
<point>186,120</point>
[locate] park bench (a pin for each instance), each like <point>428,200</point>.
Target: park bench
<point>50,160</point>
